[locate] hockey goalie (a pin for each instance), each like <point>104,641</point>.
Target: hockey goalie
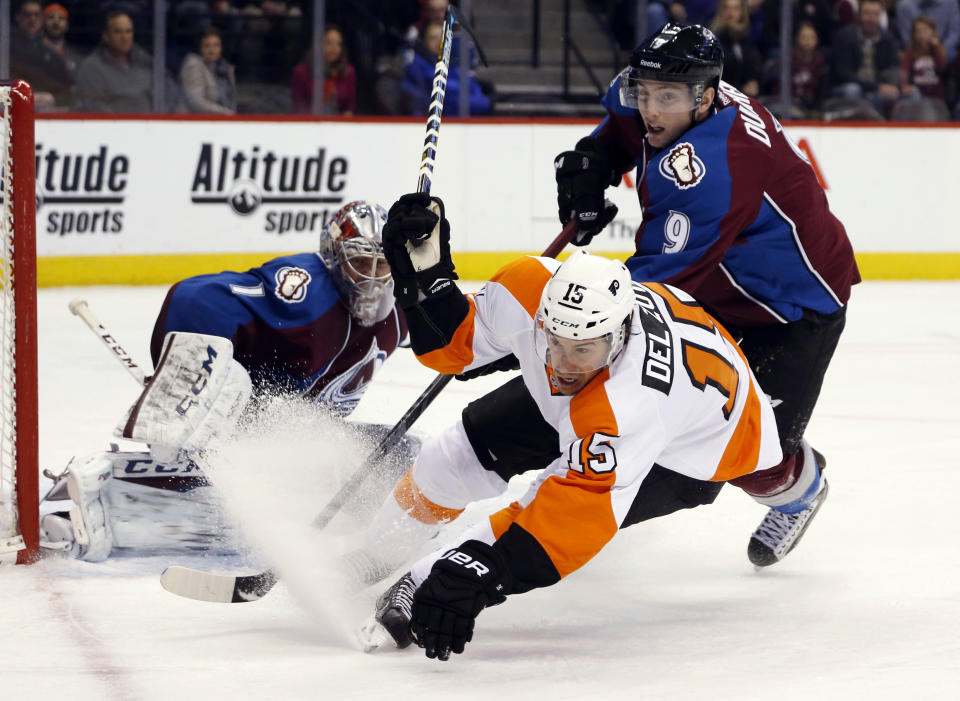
<point>317,326</point>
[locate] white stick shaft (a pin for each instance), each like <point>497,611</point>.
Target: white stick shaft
<point>80,308</point>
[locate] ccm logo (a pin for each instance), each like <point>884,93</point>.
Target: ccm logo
<point>467,562</point>
<point>199,383</point>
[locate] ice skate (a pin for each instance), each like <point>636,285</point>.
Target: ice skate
<point>391,622</point>
<point>783,526</point>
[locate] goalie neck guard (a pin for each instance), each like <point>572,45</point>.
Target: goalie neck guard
<point>584,313</point>
<point>351,247</point>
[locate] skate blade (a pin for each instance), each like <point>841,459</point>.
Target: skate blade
<point>373,637</point>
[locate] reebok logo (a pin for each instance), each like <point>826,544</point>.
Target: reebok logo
<point>649,64</point>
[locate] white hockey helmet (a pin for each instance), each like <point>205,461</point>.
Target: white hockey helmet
<point>589,298</point>
<point>351,246</point>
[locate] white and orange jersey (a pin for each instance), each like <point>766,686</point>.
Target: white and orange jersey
<point>680,395</point>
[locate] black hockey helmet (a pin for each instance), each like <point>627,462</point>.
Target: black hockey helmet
<point>676,53</point>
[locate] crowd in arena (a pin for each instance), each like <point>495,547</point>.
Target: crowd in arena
<point>850,59</point>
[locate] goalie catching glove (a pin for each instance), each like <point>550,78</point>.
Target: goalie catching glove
<point>197,391</point>
<point>416,242</point>
<point>461,584</point>
<point>582,176</point>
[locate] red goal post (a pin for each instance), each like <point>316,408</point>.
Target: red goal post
<point>19,473</point>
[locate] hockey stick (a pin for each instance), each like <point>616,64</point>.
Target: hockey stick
<point>207,586</point>
<point>427,161</point>
<point>80,308</point>
<point>351,486</point>
<point>229,588</point>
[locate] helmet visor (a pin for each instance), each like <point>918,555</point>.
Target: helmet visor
<point>638,91</point>
<point>572,355</point>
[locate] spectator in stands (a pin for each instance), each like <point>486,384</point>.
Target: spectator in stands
<point>431,12</point>
<point>845,11</point>
<point>32,60</point>
<point>945,15</point>
<point>816,12</point>
<point>742,63</point>
<point>189,18</point>
<point>271,42</point>
<point>207,79</point>
<point>227,19</point>
<point>30,19</point>
<point>808,68</point>
<point>865,62</point>
<point>118,75</point>
<point>694,11</point>
<point>417,83</point>
<point>923,68</point>
<point>340,81</point>
<point>56,22</point>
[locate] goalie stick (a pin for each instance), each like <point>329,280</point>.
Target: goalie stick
<point>80,308</point>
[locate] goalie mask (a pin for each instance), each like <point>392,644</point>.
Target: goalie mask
<point>583,317</point>
<point>352,249</point>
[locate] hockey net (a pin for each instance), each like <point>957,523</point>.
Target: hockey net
<point>18,329</point>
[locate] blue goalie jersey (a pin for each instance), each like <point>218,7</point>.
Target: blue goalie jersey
<point>288,326</point>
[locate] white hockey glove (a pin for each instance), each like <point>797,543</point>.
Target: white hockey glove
<point>197,392</point>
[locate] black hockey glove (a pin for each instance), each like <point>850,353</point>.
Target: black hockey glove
<point>425,265</point>
<point>504,364</point>
<point>461,584</point>
<point>582,177</point>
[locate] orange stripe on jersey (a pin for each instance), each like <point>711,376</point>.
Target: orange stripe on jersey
<point>411,500</point>
<point>525,278</point>
<point>690,312</point>
<point>743,450</point>
<point>458,353</point>
<point>706,366</point>
<point>590,410</point>
<point>571,518</point>
<point>501,520</point>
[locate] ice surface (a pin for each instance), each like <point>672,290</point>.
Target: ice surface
<point>866,607</point>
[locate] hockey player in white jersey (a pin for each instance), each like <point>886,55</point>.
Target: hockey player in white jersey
<point>642,393</point>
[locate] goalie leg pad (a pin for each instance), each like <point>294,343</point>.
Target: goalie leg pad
<point>197,392</point>
<point>87,480</point>
<point>144,508</point>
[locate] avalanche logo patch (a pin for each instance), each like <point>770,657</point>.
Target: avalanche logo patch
<point>682,166</point>
<point>291,284</point>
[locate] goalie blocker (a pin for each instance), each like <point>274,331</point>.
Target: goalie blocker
<point>197,391</point>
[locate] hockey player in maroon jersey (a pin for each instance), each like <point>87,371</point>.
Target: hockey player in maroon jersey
<point>311,325</point>
<point>734,215</point>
